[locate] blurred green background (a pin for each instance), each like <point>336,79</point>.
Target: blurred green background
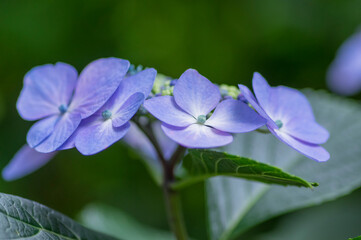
<point>289,42</point>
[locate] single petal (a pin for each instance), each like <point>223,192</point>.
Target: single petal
<point>137,140</point>
<point>262,90</point>
<point>287,104</point>
<point>97,83</point>
<point>312,151</point>
<point>306,130</point>
<point>25,161</point>
<point>64,128</point>
<point>195,94</point>
<point>128,109</point>
<point>166,110</point>
<point>235,117</point>
<point>95,135</point>
<point>41,130</point>
<point>344,74</point>
<point>45,89</point>
<point>253,102</point>
<point>70,143</point>
<point>141,82</point>
<point>197,136</point>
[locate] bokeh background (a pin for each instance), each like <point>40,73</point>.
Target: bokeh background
<point>289,42</point>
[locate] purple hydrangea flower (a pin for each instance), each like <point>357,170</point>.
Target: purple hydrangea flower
<point>111,122</point>
<point>25,161</point>
<point>344,74</point>
<point>55,94</point>
<point>184,116</point>
<point>289,117</point>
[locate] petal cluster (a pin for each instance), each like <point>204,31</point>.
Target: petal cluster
<point>89,112</point>
<point>55,95</point>
<point>111,122</point>
<point>289,117</point>
<point>186,119</point>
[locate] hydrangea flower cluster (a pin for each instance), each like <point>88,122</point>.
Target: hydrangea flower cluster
<point>93,111</point>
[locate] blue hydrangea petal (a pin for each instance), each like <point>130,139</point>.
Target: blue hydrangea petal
<point>64,128</point>
<point>344,74</point>
<point>41,130</point>
<point>197,136</point>
<point>137,140</point>
<point>288,103</point>
<point>46,88</point>
<point>127,110</point>
<point>312,151</point>
<point>25,161</point>
<point>141,82</point>
<point>97,83</point>
<point>195,94</point>
<point>306,130</point>
<point>262,90</point>
<point>70,143</point>
<point>248,95</point>
<point>235,117</point>
<point>166,110</point>
<point>95,135</point>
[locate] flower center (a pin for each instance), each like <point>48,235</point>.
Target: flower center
<point>201,119</point>
<point>279,123</point>
<point>63,108</point>
<point>107,114</point>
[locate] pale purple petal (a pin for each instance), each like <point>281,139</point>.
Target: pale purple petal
<point>64,128</point>
<point>312,151</point>
<point>253,102</point>
<point>70,143</point>
<point>195,94</point>
<point>306,130</point>
<point>25,161</point>
<point>197,136</point>
<point>95,135</point>
<point>262,90</point>
<point>288,103</point>
<point>46,88</point>
<point>166,110</point>
<point>344,74</point>
<point>235,117</point>
<point>97,83</point>
<point>128,109</point>
<point>137,140</point>
<point>141,82</point>
<point>41,130</point>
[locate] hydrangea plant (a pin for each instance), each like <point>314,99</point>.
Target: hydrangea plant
<point>178,124</point>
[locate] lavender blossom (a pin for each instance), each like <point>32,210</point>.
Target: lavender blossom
<point>344,74</point>
<point>289,117</point>
<point>184,116</point>
<point>111,122</point>
<point>56,96</point>
<point>25,161</point>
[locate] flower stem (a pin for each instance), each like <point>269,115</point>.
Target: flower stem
<point>172,199</point>
<point>175,216</point>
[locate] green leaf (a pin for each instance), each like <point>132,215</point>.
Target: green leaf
<point>202,164</point>
<point>235,205</point>
<point>341,218</point>
<point>22,218</point>
<point>357,238</point>
<point>118,224</point>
